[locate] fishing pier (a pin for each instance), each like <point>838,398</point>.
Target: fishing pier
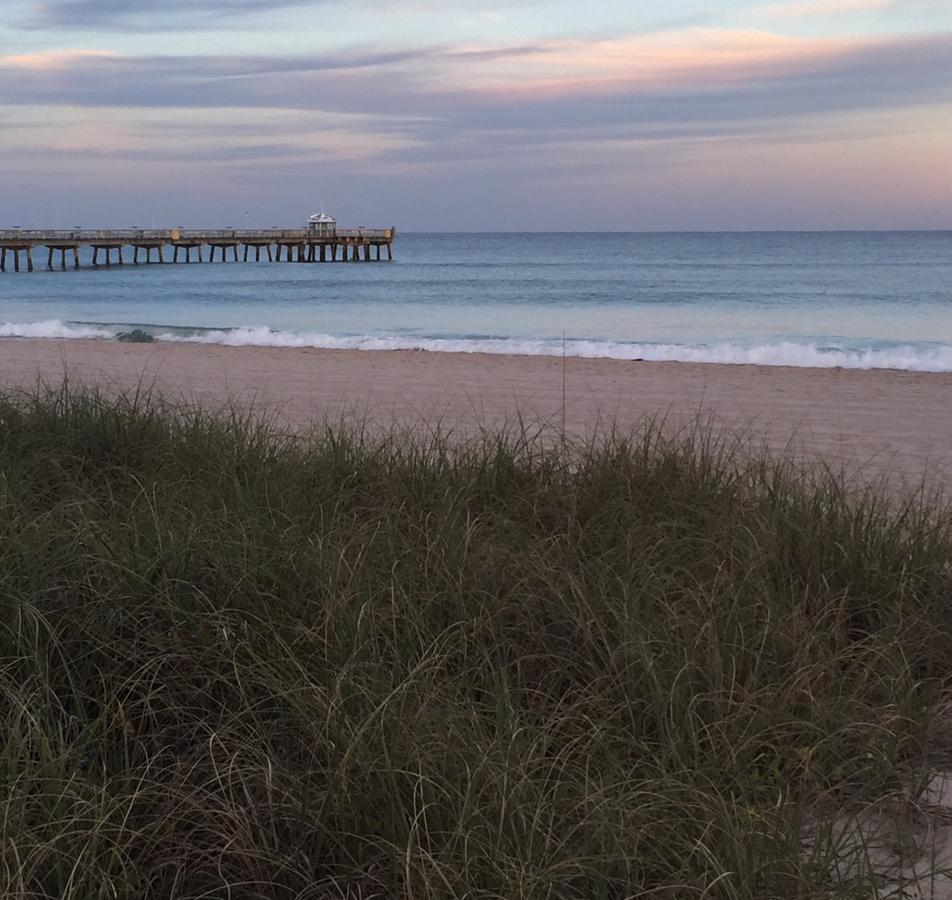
<point>321,241</point>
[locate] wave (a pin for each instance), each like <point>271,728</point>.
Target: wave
<point>907,357</point>
<point>53,328</point>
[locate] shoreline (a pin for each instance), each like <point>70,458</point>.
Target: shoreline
<point>883,420</point>
<point>911,356</point>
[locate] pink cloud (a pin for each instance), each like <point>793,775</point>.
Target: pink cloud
<point>51,60</point>
<point>646,62</point>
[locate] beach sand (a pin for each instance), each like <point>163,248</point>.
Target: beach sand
<point>879,420</point>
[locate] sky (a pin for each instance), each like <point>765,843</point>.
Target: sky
<point>477,115</point>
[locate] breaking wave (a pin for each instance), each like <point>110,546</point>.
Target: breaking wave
<point>908,357</point>
<point>53,328</point>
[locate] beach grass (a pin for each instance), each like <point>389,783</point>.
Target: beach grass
<point>239,663</point>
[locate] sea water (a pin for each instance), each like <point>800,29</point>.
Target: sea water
<point>857,300</point>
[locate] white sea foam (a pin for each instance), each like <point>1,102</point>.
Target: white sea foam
<point>52,328</point>
<point>909,357</point>
<point>932,358</point>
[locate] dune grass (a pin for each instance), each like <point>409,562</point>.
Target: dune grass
<point>240,664</point>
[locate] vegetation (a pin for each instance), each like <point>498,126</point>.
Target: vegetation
<point>136,336</point>
<point>240,664</point>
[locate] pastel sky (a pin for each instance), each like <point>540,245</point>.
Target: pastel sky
<point>477,114</point>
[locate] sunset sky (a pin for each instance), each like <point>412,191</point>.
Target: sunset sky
<point>477,114</point>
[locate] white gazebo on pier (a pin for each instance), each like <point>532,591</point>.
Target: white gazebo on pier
<point>322,225</point>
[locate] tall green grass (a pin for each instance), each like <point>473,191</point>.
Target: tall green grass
<point>240,664</point>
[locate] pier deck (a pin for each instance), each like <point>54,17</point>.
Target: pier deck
<point>295,244</point>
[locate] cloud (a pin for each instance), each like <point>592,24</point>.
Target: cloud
<point>809,8</point>
<point>121,15</point>
<point>51,60</point>
<point>661,60</point>
<point>459,108</point>
<point>701,66</point>
<point>799,8</point>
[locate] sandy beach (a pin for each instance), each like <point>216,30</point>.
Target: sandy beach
<point>881,420</point>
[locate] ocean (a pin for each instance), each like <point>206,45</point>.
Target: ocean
<point>855,300</point>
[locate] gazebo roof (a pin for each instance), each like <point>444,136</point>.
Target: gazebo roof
<point>318,218</point>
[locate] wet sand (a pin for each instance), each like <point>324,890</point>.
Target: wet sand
<point>881,420</point>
